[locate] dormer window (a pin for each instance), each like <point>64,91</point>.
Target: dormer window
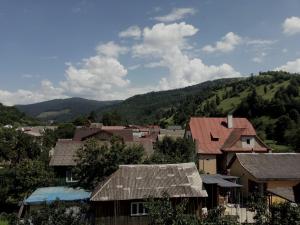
<point>248,142</point>
<point>214,137</point>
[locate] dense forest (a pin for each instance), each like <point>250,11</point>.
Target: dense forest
<point>12,116</point>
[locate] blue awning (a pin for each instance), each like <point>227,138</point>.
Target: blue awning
<point>50,194</point>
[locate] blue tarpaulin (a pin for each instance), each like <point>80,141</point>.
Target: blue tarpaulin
<point>50,194</point>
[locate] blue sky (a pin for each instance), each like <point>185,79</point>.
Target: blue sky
<point>114,49</point>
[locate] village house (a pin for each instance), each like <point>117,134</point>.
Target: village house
<point>36,131</point>
<point>173,132</point>
<point>63,156</point>
<point>217,140</point>
<point>121,199</point>
<point>277,173</point>
<point>63,159</point>
<point>221,190</point>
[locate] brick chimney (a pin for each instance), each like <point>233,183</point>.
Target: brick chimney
<point>229,120</point>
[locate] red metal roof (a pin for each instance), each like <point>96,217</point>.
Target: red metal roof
<point>212,133</point>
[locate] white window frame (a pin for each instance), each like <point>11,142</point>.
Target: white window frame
<point>138,205</point>
<point>69,177</point>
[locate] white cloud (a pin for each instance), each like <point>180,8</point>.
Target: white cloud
<point>259,58</point>
<point>291,66</point>
<point>97,76</point>
<point>259,42</point>
<point>133,31</point>
<point>103,77</point>
<point>168,43</point>
<point>162,37</point>
<point>291,25</point>
<point>134,67</point>
<point>153,64</point>
<point>46,91</point>
<point>111,49</point>
<point>226,44</point>
<point>176,14</point>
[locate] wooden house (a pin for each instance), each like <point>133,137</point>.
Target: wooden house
<point>217,140</point>
<point>121,199</point>
<point>260,172</point>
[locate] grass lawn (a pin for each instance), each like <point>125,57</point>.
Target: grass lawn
<point>278,148</point>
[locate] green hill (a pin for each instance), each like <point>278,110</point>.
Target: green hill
<point>149,108</point>
<point>62,110</point>
<point>12,116</point>
<point>270,100</point>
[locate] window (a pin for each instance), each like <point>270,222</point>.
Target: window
<point>248,141</point>
<point>69,177</point>
<point>138,209</point>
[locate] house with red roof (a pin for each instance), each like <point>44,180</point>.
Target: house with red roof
<point>217,140</point>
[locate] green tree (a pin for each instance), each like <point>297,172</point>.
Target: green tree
<point>163,212</point>
<point>65,131</point>
<point>282,124</point>
<point>96,160</point>
<point>92,116</point>
<point>57,213</point>
<point>16,146</point>
<point>259,204</point>
<point>284,214</point>
<point>26,177</point>
<point>173,151</point>
<point>111,119</point>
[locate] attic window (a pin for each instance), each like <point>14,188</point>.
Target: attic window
<point>248,141</point>
<point>214,137</point>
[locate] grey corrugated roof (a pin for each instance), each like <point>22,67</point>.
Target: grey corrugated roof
<point>141,181</point>
<point>271,166</point>
<point>220,180</point>
<point>65,153</point>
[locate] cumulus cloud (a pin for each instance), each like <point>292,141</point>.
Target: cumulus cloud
<point>162,37</point>
<point>46,91</point>
<point>291,66</point>
<point>176,14</point>
<point>291,25</point>
<point>111,49</point>
<point>103,77</point>
<point>226,44</point>
<point>168,43</point>
<point>132,31</point>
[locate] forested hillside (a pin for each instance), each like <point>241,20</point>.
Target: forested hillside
<point>270,100</point>
<point>12,116</point>
<point>152,107</point>
<point>63,110</point>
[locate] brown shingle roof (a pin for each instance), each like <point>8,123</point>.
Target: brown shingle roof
<point>87,132</point>
<point>271,166</point>
<point>65,153</point>
<point>141,181</point>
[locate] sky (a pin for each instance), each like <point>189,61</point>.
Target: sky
<point>108,50</point>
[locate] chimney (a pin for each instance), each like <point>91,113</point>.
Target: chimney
<point>229,121</point>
